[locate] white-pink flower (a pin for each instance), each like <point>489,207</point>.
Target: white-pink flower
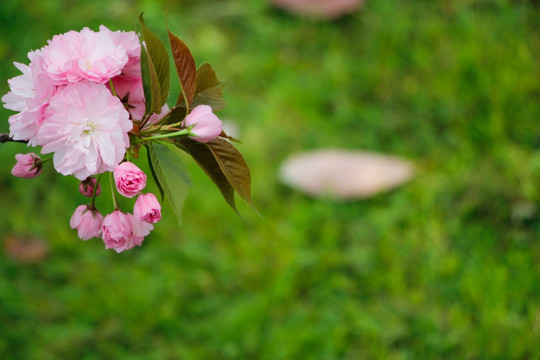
<point>121,231</point>
<point>87,221</point>
<point>87,129</point>
<point>21,89</point>
<point>207,126</point>
<point>129,179</point>
<point>147,208</point>
<point>84,55</point>
<point>29,95</point>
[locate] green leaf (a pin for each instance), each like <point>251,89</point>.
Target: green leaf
<point>153,171</point>
<point>150,81</point>
<point>209,89</point>
<point>202,154</point>
<point>234,167</point>
<point>159,60</point>
<point>185,67</point>
<point>178,113</point>
<point>171,173</point>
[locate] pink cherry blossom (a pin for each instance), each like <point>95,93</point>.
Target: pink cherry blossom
<point>132,94</point>
<point>126,39</point>
<point>132,70</point>
<point>156,118</point>
<point>147,208</point>
<point>207,125</point>
<point>84,55</point>
<point>87,129</point>
<point>121,231</point>
<point>129,179</point>
<point>87,221</point>
<point>129,89</point>
<point>29,95</point>
<point>21,89</point>
<point>128,85</point>
<point>28,166</point>
<point>117,231</point>
<point>87,186</point>
<point>140,229</point>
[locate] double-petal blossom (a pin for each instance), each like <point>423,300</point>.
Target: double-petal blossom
<point>86,128</point>
<point>84,55</point>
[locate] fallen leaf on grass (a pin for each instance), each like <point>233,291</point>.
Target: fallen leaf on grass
<point>25,249</point>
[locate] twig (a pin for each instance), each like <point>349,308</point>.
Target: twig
<point>4,138</point>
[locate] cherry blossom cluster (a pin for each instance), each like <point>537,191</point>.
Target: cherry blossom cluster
<point>120,231</point>
<point>81,99</point>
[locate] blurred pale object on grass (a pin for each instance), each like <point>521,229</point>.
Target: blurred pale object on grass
<point>344,174</point>
<point>25,249</point>
<point>324,9</point>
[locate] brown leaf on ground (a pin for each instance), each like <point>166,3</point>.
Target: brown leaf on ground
<point>25,249</point>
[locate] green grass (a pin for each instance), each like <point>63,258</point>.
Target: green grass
<point>446,267</point>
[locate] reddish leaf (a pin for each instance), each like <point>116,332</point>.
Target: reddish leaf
<point>202,154</point>
<point>206,78</point>
<point>185,67</point>
<point>209,89</point>
<point>228,137</point>
<point>233,166</point>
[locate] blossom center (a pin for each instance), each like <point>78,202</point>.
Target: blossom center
<point>89,128</point>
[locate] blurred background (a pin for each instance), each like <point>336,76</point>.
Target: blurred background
<point>444,267</point>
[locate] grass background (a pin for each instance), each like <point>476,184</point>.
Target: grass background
<point>446,267</point>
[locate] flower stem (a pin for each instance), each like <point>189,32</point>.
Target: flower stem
<point>113,192</point>
<point>43,161</point>
<point>145,120</point>
<point>112,88</point>
<point>185,99</point>
<point>93,200</point>
<point>163,136</point>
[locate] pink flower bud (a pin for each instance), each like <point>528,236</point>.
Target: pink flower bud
<point>87,221</point>
<point>147,208</point>
<point>140,229</point>
<point>27,166</point>
<point>87,187</point>
<point>129,179</point>
<point>122,231</point>
<point>207,125</point>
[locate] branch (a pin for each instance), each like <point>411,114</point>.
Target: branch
<point>4,137</point>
